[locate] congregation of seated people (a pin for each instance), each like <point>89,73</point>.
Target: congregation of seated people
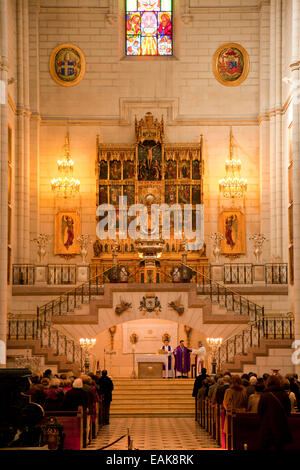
<point>65,392</point>
<point>272,400</point>
<point>244,392</point>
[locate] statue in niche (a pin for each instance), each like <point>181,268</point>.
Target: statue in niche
<point>97,248</point>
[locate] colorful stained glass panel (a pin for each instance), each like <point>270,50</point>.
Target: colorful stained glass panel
<point>149,27</point>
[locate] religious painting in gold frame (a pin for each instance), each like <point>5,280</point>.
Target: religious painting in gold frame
<point>67,230</point>
<point>67,65</point>
<point>231,64</point>
<point>232,227</point>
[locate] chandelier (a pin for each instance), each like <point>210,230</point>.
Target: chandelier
<point>233,186</point>
<point>65,185</point>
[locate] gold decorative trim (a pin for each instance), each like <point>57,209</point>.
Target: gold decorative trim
<point>52,67</point>
<point>244,74</point>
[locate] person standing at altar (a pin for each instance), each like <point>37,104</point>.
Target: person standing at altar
<point>200,356</point>
<point>168,373</point>
<point>182,360</point>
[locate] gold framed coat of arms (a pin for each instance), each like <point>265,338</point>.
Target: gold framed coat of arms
<point>67,65</point>
<point>67,230</point>
<point>232,227</point>
<point>231,64</point>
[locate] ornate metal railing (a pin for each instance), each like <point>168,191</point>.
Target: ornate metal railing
<point>70,300</point>
<point>276,273</point>
<point>64,274</point>
<point>48,337</point>
<point>238,274</point>
<point>227,298</point>
<point>266,327</point>
<point>23,274</point>
<point>61,274</point>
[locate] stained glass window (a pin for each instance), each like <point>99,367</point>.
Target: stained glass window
<point>149,28</point>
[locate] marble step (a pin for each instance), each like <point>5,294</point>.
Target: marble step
<point>134,408</point>
<point>146,393</point>
<point>142,401</point>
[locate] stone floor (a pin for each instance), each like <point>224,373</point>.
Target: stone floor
<point>154,433</point>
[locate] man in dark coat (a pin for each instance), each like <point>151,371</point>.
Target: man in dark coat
<point>197,385</point>
<point>106,387</point>
<point>273,409</point>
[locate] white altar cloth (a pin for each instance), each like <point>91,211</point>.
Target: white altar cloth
<point>152,358</point>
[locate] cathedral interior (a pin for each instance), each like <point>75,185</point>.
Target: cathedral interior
<point>149,186</point>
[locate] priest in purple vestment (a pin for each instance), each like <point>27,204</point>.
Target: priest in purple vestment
<point>182,360</point>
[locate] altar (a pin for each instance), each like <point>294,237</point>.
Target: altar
<point>150,366</point>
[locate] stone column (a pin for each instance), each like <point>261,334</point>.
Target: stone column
<point>276,181</point>
<point>264,126</point>
<point>35,120</point>
<point>3,178</point>
<point>23,137</point>
<point>295,75</point>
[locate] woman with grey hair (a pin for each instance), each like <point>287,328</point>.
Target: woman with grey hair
<point>76,397</point>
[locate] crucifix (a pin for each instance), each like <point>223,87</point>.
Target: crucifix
<point>149,154</point>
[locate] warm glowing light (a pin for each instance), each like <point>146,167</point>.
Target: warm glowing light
<point>87,342</point>
<point>214,341</point>
<point>233,185</point>
<point>65,185</point>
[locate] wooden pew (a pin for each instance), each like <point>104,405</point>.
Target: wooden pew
<point>245,429</point>
<point>73,427</point>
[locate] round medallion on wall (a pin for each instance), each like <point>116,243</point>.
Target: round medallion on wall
<point>67,65</point>
<point>231,64</point>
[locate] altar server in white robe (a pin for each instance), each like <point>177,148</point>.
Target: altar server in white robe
<point>200,357</point>
<point>168,373</point>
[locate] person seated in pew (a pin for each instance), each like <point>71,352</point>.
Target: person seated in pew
<point>254,398</point>
<point>224,384</point>
<point>235,397</point>
<point>285,383</point>
<point>273,409</point>
<point>203,392</point>
<point>76,397</point>
<point>54,396</point>
<point>198,382</point>
<point>214,385</point>
<point>251,386</point>
<point>295,388</point>
<point>36,391</point>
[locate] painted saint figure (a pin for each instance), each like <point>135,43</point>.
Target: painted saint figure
<point>165,26</point>
<point>68,231</point>
<point>231,229</point>
<point>182,360</point>
<point>200,356</point>
<point>133,25</point>
<point>169,350</point>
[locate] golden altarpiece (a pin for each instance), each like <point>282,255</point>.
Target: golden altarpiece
<point>147,172</point>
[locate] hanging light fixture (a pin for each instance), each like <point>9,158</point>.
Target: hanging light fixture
<point>233,186</point>
<point>65,185</point>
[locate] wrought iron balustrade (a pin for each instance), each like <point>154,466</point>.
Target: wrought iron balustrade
<point>23,274</point>
<point>267,327</point>
<point>49,337</point>
<point>276,273</point>
<point>61,274</point>
<point>70,300</point>
<point>227,298</point>
<point>238,274</point>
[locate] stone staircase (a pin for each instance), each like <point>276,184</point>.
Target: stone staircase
<point>153,397</point>
<point>236,366</point>
<point>50,358</point>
